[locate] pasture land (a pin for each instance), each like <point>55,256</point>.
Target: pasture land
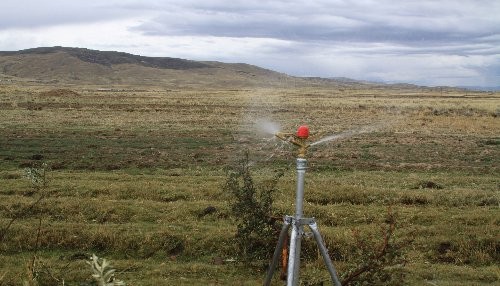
<point>134,169</point>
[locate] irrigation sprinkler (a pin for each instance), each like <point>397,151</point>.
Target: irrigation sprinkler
<point>297,221</point>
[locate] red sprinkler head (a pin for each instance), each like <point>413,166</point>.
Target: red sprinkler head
<point>303,132</point>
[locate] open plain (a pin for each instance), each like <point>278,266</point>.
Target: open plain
<point>131,170</point>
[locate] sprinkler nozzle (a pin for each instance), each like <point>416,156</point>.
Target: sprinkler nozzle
<point>298,139</point>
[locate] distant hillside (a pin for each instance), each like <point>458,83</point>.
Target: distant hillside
<point>109,59</point>
<point>63,65</point>
<point>85,66</point>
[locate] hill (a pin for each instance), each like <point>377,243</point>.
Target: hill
<point>80,66</point>
<point>85,66</point>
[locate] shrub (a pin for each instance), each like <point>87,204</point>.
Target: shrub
<point>251,207</point>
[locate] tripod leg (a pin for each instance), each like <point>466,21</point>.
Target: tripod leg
<point>324,253</point>
<point>277,251</point>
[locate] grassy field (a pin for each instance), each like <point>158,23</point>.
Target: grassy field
<point>134,168</point>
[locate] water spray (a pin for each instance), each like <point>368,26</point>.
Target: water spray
<point>297,222</point>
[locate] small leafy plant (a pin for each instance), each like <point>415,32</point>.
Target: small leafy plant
<point>103,273</point>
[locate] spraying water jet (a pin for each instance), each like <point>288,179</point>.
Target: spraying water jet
<point>352,132</point>
<point>267,126</point>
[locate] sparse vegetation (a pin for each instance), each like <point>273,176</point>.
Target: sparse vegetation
<point>134,167</point>
<point>377,258</point>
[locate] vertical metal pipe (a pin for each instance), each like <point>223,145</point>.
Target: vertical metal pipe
<point>299,201</point>
<point>294,256</point>
<point>296,265</point>
<point>277,250</point>
<point>295,239</point>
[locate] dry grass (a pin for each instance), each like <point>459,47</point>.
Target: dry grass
<point>133,168</point>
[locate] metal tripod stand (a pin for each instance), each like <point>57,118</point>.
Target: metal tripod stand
<point>297,223</point>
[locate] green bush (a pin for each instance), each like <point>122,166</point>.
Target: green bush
<point>251,207</point>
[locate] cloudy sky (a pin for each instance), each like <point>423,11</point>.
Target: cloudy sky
<point>428,42</point>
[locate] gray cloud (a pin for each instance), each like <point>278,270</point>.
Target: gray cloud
<point>420,23</point>
<point>393,40</point>
<point>35,14</point>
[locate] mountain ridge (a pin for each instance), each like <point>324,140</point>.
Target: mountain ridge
<point>85,66</point>
<point>108,58</point>
<point>72,65</point>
